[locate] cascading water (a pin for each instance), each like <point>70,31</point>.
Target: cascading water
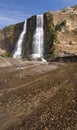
<point>18,51</point>
<point>38,38</point>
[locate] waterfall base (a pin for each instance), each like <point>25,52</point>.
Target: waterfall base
<point>37,57</point>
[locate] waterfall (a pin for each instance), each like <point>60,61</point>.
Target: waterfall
<point>18,50</point>
<point>38,38</point>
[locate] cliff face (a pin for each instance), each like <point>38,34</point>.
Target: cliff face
<point>49,30</point>
<point>9,36</point>
<point>67,36</point>
<point>59,38</point>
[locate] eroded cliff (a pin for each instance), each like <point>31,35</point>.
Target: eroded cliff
<point>60,34</point>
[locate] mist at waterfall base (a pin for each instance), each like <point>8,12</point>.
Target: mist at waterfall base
<point>37,43</point>
<point>18,50</point>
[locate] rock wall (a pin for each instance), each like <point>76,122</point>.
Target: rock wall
<point>67,37</point>
<point>49,33</point>
<point>9,36</point>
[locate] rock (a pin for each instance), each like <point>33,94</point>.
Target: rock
<point>65,58</point>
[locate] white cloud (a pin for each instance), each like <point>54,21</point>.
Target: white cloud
<point>10,16</point>
<point>6,19</point>
<point>70,1</point>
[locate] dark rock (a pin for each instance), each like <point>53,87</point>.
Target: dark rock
<point>48,30</point>
<point>65,58</point>
<point>27,43</point>
<point>9,36</point>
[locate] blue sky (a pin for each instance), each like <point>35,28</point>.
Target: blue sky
<point>14,11</point>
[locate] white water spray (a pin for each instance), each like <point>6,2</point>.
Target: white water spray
<point>38,38</point>
<point>18,51</point>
